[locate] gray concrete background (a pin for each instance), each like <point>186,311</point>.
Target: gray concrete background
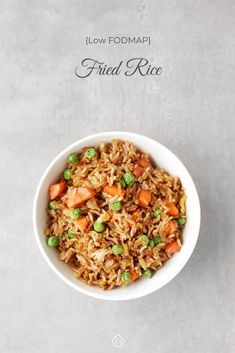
<point>190,108</point>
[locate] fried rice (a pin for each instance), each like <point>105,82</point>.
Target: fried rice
<point>115,216</point>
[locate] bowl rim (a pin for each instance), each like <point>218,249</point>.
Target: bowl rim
<point>101,294</point>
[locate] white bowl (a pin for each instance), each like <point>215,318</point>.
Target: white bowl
<point>164,158</point>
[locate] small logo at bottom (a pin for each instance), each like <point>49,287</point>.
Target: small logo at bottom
<point>118,341</point>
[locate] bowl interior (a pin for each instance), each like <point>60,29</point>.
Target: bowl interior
<point>161,156</point>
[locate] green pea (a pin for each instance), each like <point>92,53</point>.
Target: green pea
<point>53,241</point>
<point>144,239</point>
<point>67,174</point>
<point>129,178</point>
<point>158,240</point>
<point>90,153</point>
<point>157,213</point>
<point>99,227</point>
<point>73,158</point>
<point>71,234</point>
<point>122,183</point>
<point>151,243</point>
<point>116,206</point>
<point>146,273</point>
<point>117,249</point>
<point>76,212</point>
<point>52,205</point>
<point>126,277</point>
<point>182,220</point>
